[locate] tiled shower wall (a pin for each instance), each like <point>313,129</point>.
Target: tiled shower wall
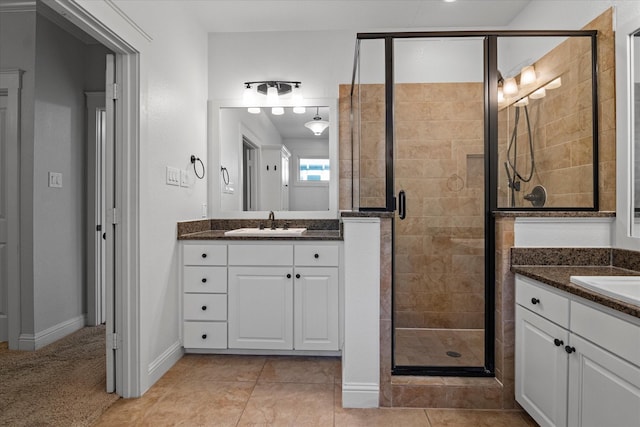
<point>439,163</point>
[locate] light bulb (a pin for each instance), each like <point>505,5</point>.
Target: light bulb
<point>527,75</point>
<point>540,93</point>
<point>277,111</point>
<point>299,110</point>
<point>500,95</point>
<point>296,95</point>
<point>248,95</point>
<point>254,110</point>
<point>510,86</point>
<point>272,95</point>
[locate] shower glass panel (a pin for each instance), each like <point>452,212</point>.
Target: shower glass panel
<point>439,247</point>
<point>546,134</point>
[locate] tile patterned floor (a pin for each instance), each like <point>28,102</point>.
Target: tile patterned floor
<point>429,347</point>
<point>223,390</point>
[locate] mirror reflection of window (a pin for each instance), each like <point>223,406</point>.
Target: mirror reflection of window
<point>314,170</point>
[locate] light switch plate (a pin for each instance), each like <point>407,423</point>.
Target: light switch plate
<point>184,178</point>
<point>173,176</point>
<point>55,180</point>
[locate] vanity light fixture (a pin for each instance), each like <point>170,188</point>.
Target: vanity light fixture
<point>522,102</point>
<point>538,93</point>
<point>273,89</point>
<point>510,86</point>
<point>317,125</point>
<point>527,75</point>
<point>554,84</point>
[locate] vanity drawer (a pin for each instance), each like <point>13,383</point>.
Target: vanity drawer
<point>269,255</point>
<point>606,330</point>
<point>542,301</point>
<point>205,334</point>
<point>205,306</point>
<point>205,279</point>
<point>204,255</point>
<point>317,255</point>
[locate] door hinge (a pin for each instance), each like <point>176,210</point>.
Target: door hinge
<point>113,341</point>
<point>115,91</point>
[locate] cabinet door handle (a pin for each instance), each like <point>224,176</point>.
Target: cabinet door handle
<point>204,255</point>
<point>535,301</point>
<point>558,342</point>
<point>204,308</point>
<point>569,349</point>
<point>204,280</point>
<point>297,276</point>
<point>288,276</point>
<point>316,256</point>
<point>204,336</point>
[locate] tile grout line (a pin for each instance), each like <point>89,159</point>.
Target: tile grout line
<point>252,390</point>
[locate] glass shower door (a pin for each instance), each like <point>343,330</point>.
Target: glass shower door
<point>439,229</point>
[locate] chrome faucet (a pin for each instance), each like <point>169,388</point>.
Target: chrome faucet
<point>272,218</point>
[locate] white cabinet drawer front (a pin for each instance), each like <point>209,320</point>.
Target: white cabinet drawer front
<point>205,279</point>
<point>268,255</point>
<point>205,307</point>
<point>204,255</point>
<point>542,301</point>
<point>319,255</point>
<point>614,334</point>
<point>205,334</point>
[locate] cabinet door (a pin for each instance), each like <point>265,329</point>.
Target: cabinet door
<point>261,308</point>
<point>604,390</point>
<point>316,309</point>
<point>541,368</point>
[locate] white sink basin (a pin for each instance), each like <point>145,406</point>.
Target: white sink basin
<point>625,288</point>
<point>266,232</point>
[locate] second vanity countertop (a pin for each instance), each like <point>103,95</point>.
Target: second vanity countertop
<point>599,262</point>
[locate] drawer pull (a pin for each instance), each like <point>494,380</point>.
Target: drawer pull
<point>204,255</point>
<point>204,308</point>
<point>297,276</point>
<point>535,301</point>
<point>558,342</point>
<point>569,349</point>
<point>316,256</point>
<point>204,336</point>
<point>288,276</point>
<point>204,280</point>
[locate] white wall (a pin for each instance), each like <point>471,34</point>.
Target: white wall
<point>173,115</point>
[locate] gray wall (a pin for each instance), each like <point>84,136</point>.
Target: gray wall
<point>58,69</point>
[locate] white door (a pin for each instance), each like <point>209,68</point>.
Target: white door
<point>316,308</point>
<point>541,368</point>
<point>4,264</point>
<point>110,224</point>
<point>261,308</point>
<point>604,390</point>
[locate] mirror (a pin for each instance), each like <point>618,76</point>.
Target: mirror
<point>634,100</point>
<point>273,162</point>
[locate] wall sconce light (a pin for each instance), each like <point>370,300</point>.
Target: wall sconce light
<point>527,75</point>
<point>317,125</point>
<point>273,89</point>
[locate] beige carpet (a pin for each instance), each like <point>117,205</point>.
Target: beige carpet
<point>62,384</point>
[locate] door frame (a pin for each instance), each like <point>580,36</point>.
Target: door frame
<point>127,193</point>
<point>11,83</point>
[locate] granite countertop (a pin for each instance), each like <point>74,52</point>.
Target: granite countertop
<point>219,235</point>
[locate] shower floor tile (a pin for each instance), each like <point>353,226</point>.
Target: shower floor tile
<point>439,347</point>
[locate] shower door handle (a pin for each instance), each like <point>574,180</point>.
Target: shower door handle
<point>402,204</point>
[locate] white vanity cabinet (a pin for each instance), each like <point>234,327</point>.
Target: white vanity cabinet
<point>577,363</point>
<point>204,299</point>
<point>283,297</point>
<point>262,295</point>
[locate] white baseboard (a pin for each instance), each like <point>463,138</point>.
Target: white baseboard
<point>163,363</point>
<point>360,395</point>
<point>31,342</point>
